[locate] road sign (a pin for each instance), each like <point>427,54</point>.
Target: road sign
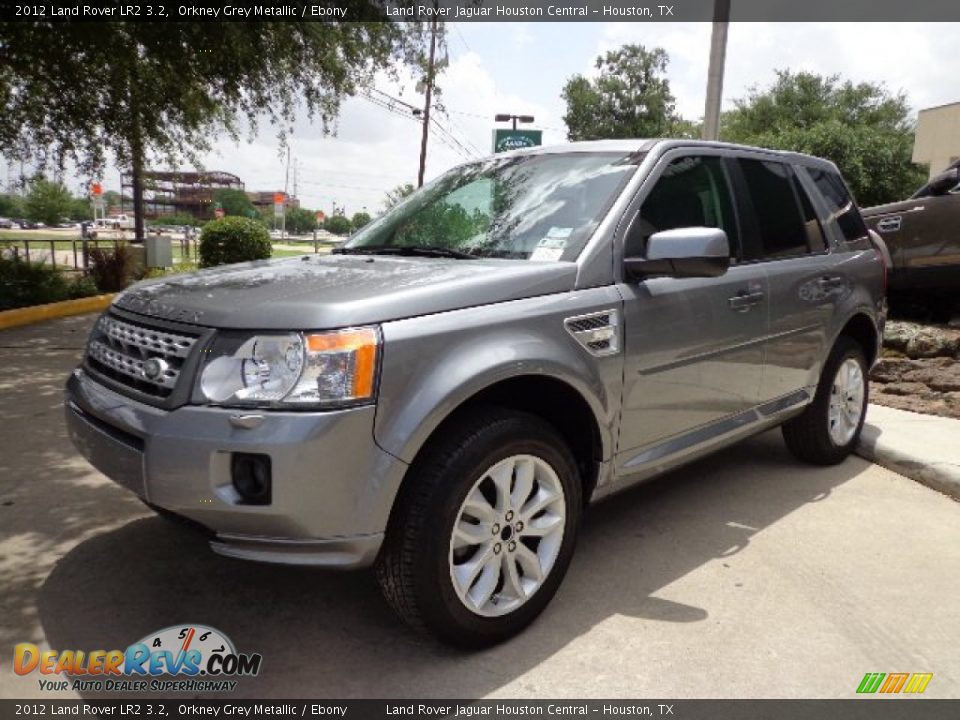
<point>96,189</point>
<point>321,216</point>
<point>506,139</point>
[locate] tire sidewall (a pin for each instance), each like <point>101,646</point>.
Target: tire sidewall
<point>442,608</point>
<point>843,351</point>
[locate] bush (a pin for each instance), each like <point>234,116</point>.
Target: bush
<point>233,240</point>
<point>25,283</point>
<point>82,286</point>
<point>337,224</point>
<point>111,269</point>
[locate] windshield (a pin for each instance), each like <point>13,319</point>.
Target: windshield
<point>535,207</point>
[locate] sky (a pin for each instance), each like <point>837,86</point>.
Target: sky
<point>521,68</point>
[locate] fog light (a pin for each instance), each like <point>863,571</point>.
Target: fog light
<point>251,477</point>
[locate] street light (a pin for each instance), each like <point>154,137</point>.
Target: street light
<point>506,117</point>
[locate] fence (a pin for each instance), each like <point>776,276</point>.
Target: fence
<point>74,254</point>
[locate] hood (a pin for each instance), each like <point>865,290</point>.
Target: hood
<point>316,292</point>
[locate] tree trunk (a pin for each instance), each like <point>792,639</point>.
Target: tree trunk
<point>136,160</point>
<point>136,167</point>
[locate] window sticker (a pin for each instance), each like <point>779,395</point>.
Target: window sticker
<point>551,247</point>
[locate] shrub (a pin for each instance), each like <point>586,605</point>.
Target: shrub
<point>111,269</point>
<point>233,240</point>
<point>82,286</point>
<point>25,283</point>
<point>337,224</point>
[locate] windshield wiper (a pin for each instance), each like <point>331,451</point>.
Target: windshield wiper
<point>408,250</point>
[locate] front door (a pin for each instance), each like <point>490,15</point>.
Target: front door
<point>694,349</point>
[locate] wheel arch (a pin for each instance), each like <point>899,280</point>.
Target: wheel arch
<point>861,328</point>
<point>550,398</point>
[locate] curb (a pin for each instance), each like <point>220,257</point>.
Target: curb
<point>942,476</point>
<point>38,313</point>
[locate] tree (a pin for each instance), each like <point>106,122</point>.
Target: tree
<point>337,224</point>
<point>80,209</point>
<point>359,220</point>
<point>861,127</point>
<point>393,197</point>
<point>145,90</point>
<point>114,200</point>
<point>234,202</point>
<point>10,206</point>
<point>629,98</point>
<point>47,202</point>
<point>301,220</point>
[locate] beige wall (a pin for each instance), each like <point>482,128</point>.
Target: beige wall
<point>937,141</point>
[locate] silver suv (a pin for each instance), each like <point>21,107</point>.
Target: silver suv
<point>529,333</point>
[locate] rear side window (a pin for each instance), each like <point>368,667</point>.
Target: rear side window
<point>839,203</point>
<point>692,192</point>
<point>781,228</point>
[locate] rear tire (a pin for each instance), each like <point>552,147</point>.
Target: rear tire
<point>484,529</point>
<point>828,430</point>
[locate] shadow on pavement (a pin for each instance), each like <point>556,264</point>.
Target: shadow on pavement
<point>329,634</point>
<point>50,498</point>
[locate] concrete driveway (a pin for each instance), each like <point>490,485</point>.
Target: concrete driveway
<point>746,575</point>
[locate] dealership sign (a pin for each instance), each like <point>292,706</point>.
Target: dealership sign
<point>507,139</point>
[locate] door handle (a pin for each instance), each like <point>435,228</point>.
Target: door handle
<point>890,224</point>
<point>743,301</point>
<point>831,283</point>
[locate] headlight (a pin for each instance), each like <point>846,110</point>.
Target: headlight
<point>318,369</point>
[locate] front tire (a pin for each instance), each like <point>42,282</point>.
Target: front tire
<point>828,430</point>
<point>484,529</point>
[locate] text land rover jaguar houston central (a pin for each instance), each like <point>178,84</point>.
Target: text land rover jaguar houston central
<point>442,396</point>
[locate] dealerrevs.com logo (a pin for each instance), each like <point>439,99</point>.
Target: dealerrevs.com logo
<point>180,658</point>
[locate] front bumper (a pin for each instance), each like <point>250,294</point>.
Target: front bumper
<point>333,487</point>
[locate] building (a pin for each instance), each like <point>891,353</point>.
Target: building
<point>192,193</point>
<point>263,200</point>
<point>937,141</point>
<point>180,193</point>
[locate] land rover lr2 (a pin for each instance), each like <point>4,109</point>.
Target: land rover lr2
<point>441,397</point>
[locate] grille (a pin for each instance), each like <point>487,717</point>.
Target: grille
<point>598,332</point>
<point>141,357</point>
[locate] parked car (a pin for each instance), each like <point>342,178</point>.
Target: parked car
<point>923,234</point>
<point>6,223</point>
<point>442,396</point>
<point>116,222</point>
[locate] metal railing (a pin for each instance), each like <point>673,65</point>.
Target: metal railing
<point>74,253</point>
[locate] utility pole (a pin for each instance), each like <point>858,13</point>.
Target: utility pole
<point>718,56</point>
<point>427,101</point>
<point>286,185</point>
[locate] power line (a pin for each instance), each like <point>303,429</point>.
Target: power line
<point>464,136</point>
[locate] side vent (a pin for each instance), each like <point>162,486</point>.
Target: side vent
<point>598,332</point>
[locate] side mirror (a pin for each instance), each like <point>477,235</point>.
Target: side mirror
<point>941,184</point>
<point>682,253</point>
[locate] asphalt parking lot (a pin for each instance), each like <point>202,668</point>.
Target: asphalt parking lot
<point>745,575</point>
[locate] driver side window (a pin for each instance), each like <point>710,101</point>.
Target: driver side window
<point>692,192</point>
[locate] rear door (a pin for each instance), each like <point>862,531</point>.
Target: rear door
<point>785,236</point>
<point>693,346</point>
